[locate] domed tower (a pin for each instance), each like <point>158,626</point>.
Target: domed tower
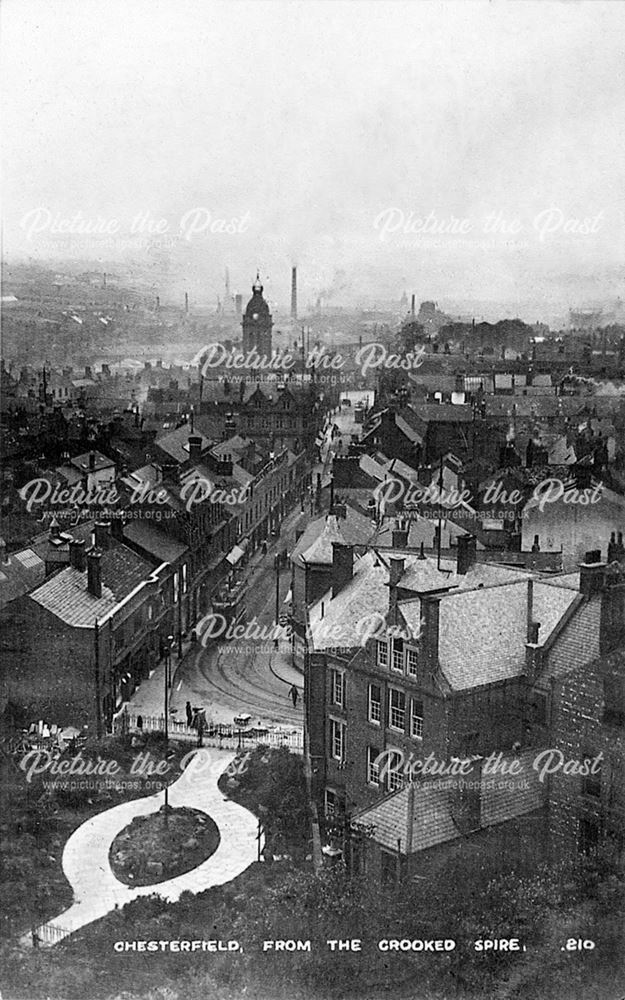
<point>257,322</point>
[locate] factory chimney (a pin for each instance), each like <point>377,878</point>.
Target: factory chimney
<point>294,293</point>
<point>412,304</point>
<point>186,302</point>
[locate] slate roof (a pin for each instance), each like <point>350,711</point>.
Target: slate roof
<point>366,593</point>
<point>321,549</point>
<point>432,814</point>
<point>20,573</point>
<point>69,474</point>
<point>315,544</point>
<point>420,529</point>
<point>66,596</point>
<point>432,820</point>
<point>373,467</point>
<point>443,412</point>
<point>82,462</point>
<point>482,633</point>
<point>233,445</point>
<point>176,443</point>
<point>161,546</point>
<point>421,572</point>
<point>407,430</point>
<point>568,580</point>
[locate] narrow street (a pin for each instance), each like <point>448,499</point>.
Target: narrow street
<point>249,675</point>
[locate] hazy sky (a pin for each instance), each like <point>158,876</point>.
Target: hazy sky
<point>320,131</point>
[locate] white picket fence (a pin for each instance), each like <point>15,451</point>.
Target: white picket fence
<point>226,737</point>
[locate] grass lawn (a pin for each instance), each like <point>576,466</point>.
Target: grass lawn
<point>38,817</point>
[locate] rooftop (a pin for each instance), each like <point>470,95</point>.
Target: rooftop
<point>84,462</point>
<point>482,633</point>
<point>432,817</point>
<point>66,595</point>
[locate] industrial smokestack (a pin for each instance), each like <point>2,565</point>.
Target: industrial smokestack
<point>186,302</point>
<point>294,293</point>
<point>412,305</point>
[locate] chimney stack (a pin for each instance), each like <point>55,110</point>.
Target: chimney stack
<point>195,448</point>
<point>396,571</point>
<point>294,293</point>
<point>466,553</point>
<point>94,572</point>
<point>102,531</point>
<point>186,302</point>
<point>430,615</point>
<point>77,554</point>
<point>400,535</point>
<point>592,574</point>
<point>342,566</point>
<point>117,528</point>
<point>412,305</point>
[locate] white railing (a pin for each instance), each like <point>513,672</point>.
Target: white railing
<point>227,737</point>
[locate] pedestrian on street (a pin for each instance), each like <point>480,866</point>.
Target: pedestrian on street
<point>294,695</point>
<point>189,714</point>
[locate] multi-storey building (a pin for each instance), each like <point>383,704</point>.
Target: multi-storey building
<point>580,693</point>
<point>466,664</point>
<point>85,638</point>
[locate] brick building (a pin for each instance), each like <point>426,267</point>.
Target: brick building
<point>586,714</point>
<point>281,410</point>
<point>77,646</point>
<point>444,673</point>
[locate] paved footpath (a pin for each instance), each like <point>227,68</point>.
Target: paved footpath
<point>86,853</point>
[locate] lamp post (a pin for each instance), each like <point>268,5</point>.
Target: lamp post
<point>170,644</point>
<point>277,567</point>
<point>180,575</point>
